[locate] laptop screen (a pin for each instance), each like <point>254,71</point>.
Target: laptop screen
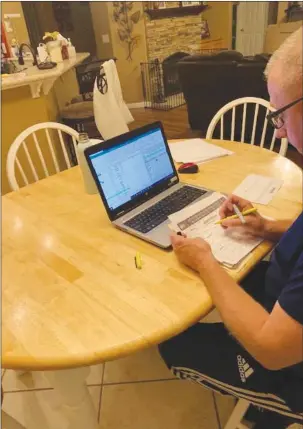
<point>128,170</point>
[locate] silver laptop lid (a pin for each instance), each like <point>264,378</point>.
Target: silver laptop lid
<point>132,168</point>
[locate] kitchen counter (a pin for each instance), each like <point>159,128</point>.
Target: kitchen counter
<point>40,79</point>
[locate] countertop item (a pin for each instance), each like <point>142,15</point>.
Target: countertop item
<point>40,78</point>
<point>188,168</point>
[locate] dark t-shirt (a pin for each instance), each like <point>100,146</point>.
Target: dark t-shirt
<point>284,277</point>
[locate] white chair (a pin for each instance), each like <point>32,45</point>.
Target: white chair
<point>219,117</point>
<point>235,420</point>
<point>51,142</point>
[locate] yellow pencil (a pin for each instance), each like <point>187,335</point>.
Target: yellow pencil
<point>138,261</point>
<point>246,212</point>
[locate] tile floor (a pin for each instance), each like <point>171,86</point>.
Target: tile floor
<point>136,392</point>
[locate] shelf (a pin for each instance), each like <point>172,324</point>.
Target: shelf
<point>171,12</point>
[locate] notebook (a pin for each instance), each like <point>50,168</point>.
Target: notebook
<point>196,150</point>
<point>230,246</point>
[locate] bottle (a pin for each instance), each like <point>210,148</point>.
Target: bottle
<point>64,51</point>
<point>54,50</point>
<point>88,180</point>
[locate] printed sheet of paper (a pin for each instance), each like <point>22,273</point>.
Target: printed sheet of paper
<point>258,189</point>
<point>198,220</point>
<point>196,150</point>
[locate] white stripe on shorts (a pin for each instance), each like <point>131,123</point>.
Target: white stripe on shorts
<point>265,400</point>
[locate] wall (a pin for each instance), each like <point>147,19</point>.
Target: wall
<point>219,18</point>
<point>101,25</point>
<point>18,24</point>
<point>282,6</point>
<point>81,33</point>
<point>129,70</point>
<point>18,112</point>
<point>276,34</point>
<point>169,35</point>
<point>46,17</point>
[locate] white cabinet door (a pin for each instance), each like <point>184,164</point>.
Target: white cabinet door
<point>251,26</point>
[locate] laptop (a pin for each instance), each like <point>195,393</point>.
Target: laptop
<point>138,183</point>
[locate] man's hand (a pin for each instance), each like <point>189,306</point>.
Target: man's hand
<point>193,252</point>
<point>255,224</point>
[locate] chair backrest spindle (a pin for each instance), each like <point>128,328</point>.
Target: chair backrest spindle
<point>233,121</point>
<point>222,127</point>
<point>254,124</point>
<point>273,140</point>
<point>50,145</point>
<point>264,129</point>
<point>21,171</point>
<point>40,155</point>
<point>31,164</point>
<point>64,149</point>
<point>243,122</point>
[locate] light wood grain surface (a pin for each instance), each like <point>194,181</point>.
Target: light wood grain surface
<point>71,293</point>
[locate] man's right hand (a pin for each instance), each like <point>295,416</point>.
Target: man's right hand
<point>255,224</point>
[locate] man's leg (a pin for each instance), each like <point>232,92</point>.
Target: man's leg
<point>210,356</point>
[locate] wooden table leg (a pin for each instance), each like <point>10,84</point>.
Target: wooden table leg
<point>77,403</point>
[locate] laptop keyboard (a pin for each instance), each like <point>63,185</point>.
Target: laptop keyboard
<point>159,212</point>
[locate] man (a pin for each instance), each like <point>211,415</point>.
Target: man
<point>257,353</point>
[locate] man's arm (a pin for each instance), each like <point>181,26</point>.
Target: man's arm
<point>275,340</point>
<point>274,229</point>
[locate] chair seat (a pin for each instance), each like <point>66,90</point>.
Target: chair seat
<point>81,110</point>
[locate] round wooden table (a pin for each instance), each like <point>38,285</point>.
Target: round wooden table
<point>72,296</point>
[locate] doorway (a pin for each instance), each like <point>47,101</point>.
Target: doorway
<point>251,24</point>
<point>71,18</point>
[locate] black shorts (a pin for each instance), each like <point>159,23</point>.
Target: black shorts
<point>209,355</point>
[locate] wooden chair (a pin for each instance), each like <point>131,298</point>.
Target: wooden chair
<point>38,156</point>
<point>218,119</point>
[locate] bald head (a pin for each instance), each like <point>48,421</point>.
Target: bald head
<point>286,65</point>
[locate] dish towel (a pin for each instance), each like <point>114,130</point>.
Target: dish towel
<point>111,113</point>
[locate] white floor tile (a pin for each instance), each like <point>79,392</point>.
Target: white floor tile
<point>36,410</point>
<point>95,375</point>
<point>144,365</point>
<point>36,380</point>
<point>12,381</point>
<point>157,405</point>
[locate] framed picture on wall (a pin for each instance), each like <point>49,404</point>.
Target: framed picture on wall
<point>190,3</point>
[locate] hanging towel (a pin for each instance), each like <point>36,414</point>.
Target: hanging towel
<point>113,82</point>
<point>110,117</point>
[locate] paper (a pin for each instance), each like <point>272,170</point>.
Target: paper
<point>196,150</point>
<point>198,220</point>
<point>258,189</point>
